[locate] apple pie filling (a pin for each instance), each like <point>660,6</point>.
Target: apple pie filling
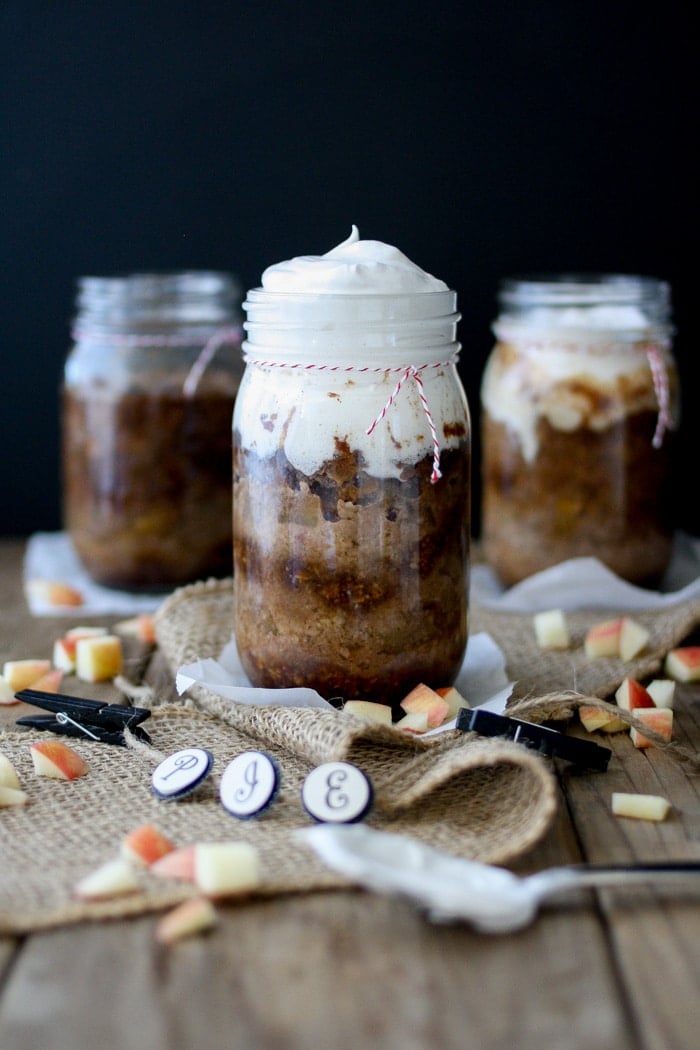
<point>348,583</point>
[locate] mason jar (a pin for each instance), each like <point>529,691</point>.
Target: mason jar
<point>579,403</point>
<point>147,401</point>
<point>351,493</point>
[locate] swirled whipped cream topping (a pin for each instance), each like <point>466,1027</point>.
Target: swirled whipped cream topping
<point>354,267</point>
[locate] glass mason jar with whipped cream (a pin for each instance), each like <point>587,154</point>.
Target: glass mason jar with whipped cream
<point>351,488</point>
<point>579,402</point>
<point>147,402</point>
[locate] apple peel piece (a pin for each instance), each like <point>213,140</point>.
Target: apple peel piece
<point>50,682</point>
<point>594,718</point>
<point>142,627</point>
<point>145,845</point>
<point>640,807</point>
<point>54,592</point>
<point>631,695</point>
<point>54,759</point>
<point>178,864</point>
<point>423,698</point>
<point>683,663</point>
<point>192,916</point>
<point>114,878</point>
<point>658,719</point>
<point>603,638</point>
<point>20,674</point>
<point>454,700</point>
<point>226,869</point>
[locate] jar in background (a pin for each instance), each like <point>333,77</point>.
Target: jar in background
<point>351,487</point>
<point>579,401</point>
<point>148,394</point>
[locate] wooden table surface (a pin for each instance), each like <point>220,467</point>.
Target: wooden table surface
<point>348,969</point>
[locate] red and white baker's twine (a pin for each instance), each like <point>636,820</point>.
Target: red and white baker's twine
<point>659,375</point>
<point>130,341</point>
<point>407,372</point>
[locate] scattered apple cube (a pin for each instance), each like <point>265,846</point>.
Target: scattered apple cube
<point>633,637</point>
<point>224,869</point>
<point>20,674</point>
<point>413,722</point>
<point>145,845</point>
<point>8,773</point>
<point>7,695</point>
<point>112,879</point>
<point>178,864</point>
<point>551,629</point>
<point>54,592</point>
<point>603,639</point>
<point>660,719</point>
<point>593,718</point>
<point>369,709</point>
<point>64,648</point>
<point>662,691</point>
<point>631,695</point>
<point>10,796</point>
<point>142,627</point>
<point>53,758</point>
<point>99,659</point>
<point>683,664</point>
<point>642,807</point>
<point>192,916</point>
<point>49,682</point>
<point>454,700</point>
<point>423,698</point>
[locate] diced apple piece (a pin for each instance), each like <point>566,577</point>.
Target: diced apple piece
<point>99,659</point>
<point>660,719</point>
<point>423,698</point>
<point>64,648</point>
<point>114,878</point>
<point>633,637</point>
<point>413,722</point>
<point>54,592</point>
<point>224,869</point>
<point>631,694</point>
<point>603,639</point>
<point>20,674</point>
<point>662,691</point>
<point>192,916</point>
<point>454,700</point>
<point>641,807</point>
<point>49,682</point>
<point>7,695</point>
<point>683,664</point>
<point>10,796</point>
<point>141,626</point>
<point>369,709</point>
<point>53,758</point>
<point>593,718</point>
<point>551,629</point>
<point>8,773</point>
<point>178,864</point>
<point>146,844</point>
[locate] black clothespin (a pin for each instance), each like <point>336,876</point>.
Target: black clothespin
<point>91,719</point>
<point>547,741</point>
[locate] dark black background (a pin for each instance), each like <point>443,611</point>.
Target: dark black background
<point>482,138</point>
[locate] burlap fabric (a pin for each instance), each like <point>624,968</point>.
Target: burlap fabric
<point>487,799</point>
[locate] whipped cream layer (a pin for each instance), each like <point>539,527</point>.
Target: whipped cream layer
<point>354,267</point>
<point>591,383</point>
<point>328,338</point>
